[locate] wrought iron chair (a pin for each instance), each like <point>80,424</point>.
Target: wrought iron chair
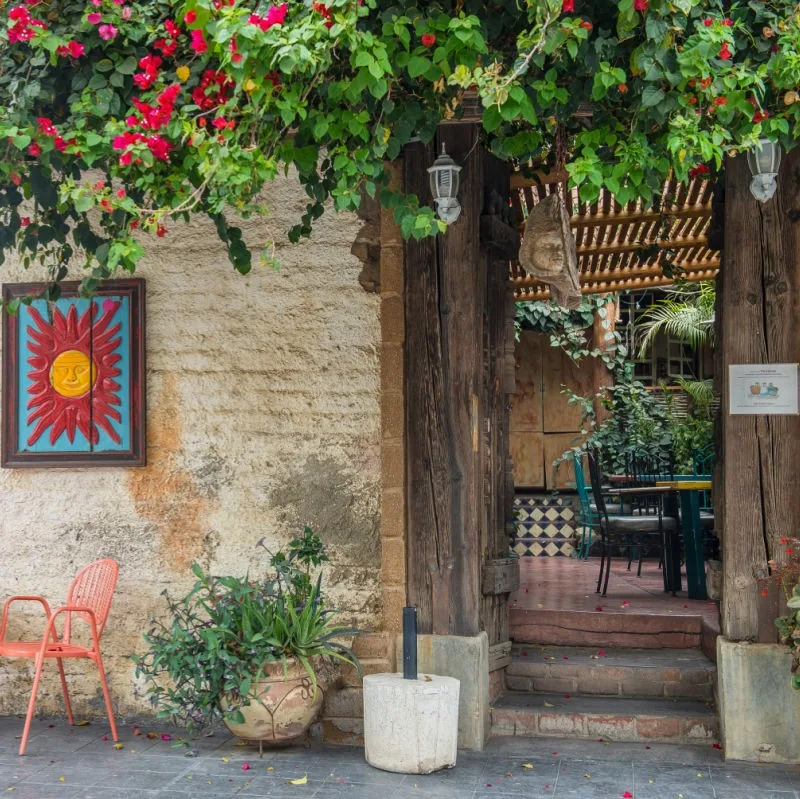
<point>590,519</point>
<point>643,531</point>
<point>90,598</point>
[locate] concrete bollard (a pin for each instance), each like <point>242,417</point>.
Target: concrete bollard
<point>410,726</point>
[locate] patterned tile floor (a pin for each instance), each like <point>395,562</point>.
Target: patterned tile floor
<point>74,762</point>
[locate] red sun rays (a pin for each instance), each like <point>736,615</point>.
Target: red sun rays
<point>97,341</point>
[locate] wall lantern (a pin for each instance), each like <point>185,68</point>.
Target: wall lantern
<point>444,187</point>
<point>764,162</point>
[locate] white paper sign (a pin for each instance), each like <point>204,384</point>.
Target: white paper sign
<point>763,388</point>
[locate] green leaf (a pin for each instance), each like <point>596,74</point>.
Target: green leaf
<point>652,95</point>
<point>418,65</point>
<point>128,66</point>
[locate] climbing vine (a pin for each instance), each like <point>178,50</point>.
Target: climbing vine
<point>120,117</point>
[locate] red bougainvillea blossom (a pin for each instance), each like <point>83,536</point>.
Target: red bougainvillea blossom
<point>568,6</point>
<point>700,169</point>
<point>724,52</point>
<point>24,24</point>
<point>214,89</point>
<point>324,11</point>
<point>73,48</point>
<point>428,39</point>
<point>641,5</point>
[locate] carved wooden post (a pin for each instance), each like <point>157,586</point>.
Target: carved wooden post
<point>757,308</point>
<point>457,309</point>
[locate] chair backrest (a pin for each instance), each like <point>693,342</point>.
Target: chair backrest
<point>93,587</point>
<point>596,479</point>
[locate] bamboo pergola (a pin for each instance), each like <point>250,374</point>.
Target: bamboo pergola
<point>624,247</point>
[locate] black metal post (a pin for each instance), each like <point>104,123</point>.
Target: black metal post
<point>409,643</point>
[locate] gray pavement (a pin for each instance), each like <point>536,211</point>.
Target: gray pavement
<point>76,762</point>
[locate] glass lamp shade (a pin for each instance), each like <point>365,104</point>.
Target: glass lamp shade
<point>764,162</point>
<point>444,186</point>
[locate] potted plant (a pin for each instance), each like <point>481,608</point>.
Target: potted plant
<point>247,651</point>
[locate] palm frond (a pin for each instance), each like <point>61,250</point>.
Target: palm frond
<point>687,314</point>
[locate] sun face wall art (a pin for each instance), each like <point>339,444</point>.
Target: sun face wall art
<point>73,377</point>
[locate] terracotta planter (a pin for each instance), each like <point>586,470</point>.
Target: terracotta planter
<point>284,707</point>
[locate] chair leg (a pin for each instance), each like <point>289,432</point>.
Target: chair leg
<point>65,691</point>
<point>31,705</point>
<point>106,696</point>
<point>608,572</point>
<point>602,561</point>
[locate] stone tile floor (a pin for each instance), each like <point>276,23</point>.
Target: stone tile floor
<point>64,762</point>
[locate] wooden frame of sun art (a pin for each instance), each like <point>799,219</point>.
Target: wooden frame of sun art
<point>73,377</point>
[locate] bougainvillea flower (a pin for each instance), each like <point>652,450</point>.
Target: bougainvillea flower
<point>198,43</point>
<point>190,17</point>
<point>700,169</point>
<point>428,39</point>
<point>641,5</point>
<point>568,6</point>
<point>73,48</point>
<point>94,18</point>
<point>35,150</point>
<point>107,32</point>
<point>724,52</point>
<point>277,15</point>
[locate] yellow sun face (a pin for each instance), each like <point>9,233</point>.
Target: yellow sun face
<point>72,373</point>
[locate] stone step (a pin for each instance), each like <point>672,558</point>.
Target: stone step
<point>606,718</point>
<point>584,628</point>
<point>670,673</point>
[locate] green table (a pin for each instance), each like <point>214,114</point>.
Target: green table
<point>689,493</point>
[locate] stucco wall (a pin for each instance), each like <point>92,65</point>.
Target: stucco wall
<point>263,415</point>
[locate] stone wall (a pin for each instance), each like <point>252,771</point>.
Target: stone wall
<point>263,414</point>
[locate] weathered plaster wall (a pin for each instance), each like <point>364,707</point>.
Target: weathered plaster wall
<point>264,415</point>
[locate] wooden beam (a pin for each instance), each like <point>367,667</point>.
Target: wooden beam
<point>758,304</point>
<point>627,273</point>
<point>662,244</point>
<point>598,220</point>
<point>541,292</point>
<point>538,178</point>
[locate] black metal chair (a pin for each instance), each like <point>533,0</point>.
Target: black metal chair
<point>642,531</point>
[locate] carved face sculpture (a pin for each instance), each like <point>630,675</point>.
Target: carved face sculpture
<point>72,373</point>
<point>548,251</point>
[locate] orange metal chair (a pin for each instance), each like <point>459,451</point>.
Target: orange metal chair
<point>90,597</point>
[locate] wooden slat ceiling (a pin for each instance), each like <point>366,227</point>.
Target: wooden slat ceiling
<point>624,247</point>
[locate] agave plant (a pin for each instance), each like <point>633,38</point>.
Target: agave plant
<point>204,662</point>
<point>687,314</point>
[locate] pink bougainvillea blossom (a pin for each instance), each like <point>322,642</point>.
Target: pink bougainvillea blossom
<point>275,16</point>
<point>94,18</point>
<point>108,32</point>
<point>198,43</point>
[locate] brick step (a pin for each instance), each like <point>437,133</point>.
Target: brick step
<point>670,673</point>
<point>606,718</point>
<point>584,628</point>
